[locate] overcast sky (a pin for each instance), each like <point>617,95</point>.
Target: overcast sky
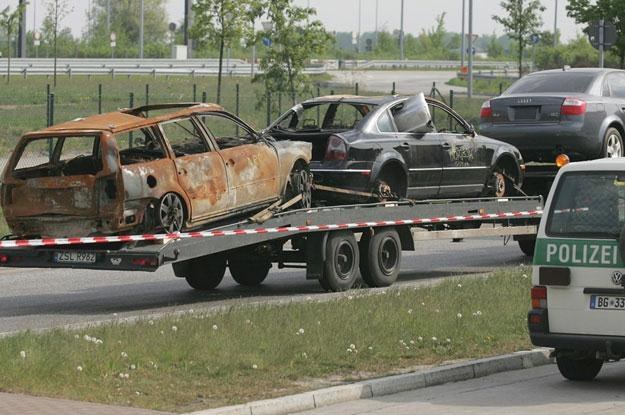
<point>342,15</point>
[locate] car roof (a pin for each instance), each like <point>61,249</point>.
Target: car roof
<point>576,70</point>
<point>128,119</point>
<point>355,99</point>
<point>597,165</point>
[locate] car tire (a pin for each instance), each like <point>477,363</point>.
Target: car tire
<point>342,259</point>
<point>171,213</point>
<point>499,184</point>
<point>203,273</point>
<point>250,273</point>
<point>584,369</point>
<point>380,258</point>
<point>300,183</point>
<point>613,144</point>
<point>527,246</point>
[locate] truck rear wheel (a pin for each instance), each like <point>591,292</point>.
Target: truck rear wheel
<point>249,273</point>
<point>583,369</point>
<point>203,273</point>
<point>341,265</point>
<point>381,258</point>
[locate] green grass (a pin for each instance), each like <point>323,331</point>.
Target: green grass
<point>489,87</point>
<point>248,353</point>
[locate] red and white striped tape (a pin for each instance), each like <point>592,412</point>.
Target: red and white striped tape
<point>238,232</point>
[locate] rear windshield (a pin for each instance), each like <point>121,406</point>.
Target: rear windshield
<point>553,83</point>
<point>588,205</point>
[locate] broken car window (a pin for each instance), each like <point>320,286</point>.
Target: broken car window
<point>184,138</point>
<point>445,122</point>
<point>385,124</point>
<point>59,156</point>
<point>139,146</point>
<point>227,132</point>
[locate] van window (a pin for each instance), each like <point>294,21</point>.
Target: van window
<point>588,205</point>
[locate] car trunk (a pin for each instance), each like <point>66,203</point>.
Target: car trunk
<point>526,109</point>
<point>318,139</point>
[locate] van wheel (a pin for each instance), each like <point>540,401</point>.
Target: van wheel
<point>584,369</point>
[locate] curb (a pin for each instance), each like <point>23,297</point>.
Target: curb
<point>388,385</point>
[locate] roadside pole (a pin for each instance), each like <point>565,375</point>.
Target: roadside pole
<point>470,51</point>
<point>462,46</point>
<point>601,46</point>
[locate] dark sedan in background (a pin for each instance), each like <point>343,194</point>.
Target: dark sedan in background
<point>579,113</point>
<point>412,147</point>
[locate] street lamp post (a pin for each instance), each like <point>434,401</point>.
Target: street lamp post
<point>462,37</point>
<point>141,31</point>
<point>470,51</point>
<point>113,38</point>
<point>555,26</point>
<point>401,33</point>
<point>36,42</point>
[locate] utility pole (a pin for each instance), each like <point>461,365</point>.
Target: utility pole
<point>359,24</point>
<point>601,40</point>
<point>463,36</point>
<point>401,32</point>
<point>21,33</point>
<point>141,31</point>
<point>470,51</point>
<point>555,26</point>
<point>376,21</point>
<point>187,26</point>
<point>108,16</point>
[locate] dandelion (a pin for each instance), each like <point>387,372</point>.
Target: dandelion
<point>459,315</point>
<point>422,303</point>
<point>191,311</point>
<point>114,314</point>
<point>124,354</point>
<point>383,292</point>
<point>87,337</point>
<point>410,311</point>
<point>99,341</point>
<point>305,355</point>
<point>162,332</point>
<point>479,313</point>
<point>151,322</point>
<point>124,375</point>
<point>524,275</point>
<point>434,339</point>
<point>300,331</point>
<point>370,347</point>
<point>79,368</point>
<point>349,297</point>
<point>459,285</point>
<point>448,340</point>
<point>411,341</point>
<point>174,329</point>
<point>137,393</point>
<point>437,310</point>
<point>23,354</point>
<point>215,327</point>
<point>352,346</point>
<point>133,367</point>
<point>349,350</point>
<point>254,366</point>
<point>420,338</point>
<point>76,336</point>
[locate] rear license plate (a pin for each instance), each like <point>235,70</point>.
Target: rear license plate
<point>603,302</point>
<point>74,257</point>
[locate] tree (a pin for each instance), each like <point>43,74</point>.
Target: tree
<point>295,39</point>
<point>125,21</point>
<point>583,11</point>
<point>8,20</point>
<point>521,22</point>
<point>57,11</point>
<point>219,23</point>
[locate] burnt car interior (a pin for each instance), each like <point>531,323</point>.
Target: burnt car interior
<point>227,132</point>
<point>315,122</point>
<point>184,137</point>
<point>139,146</point>
<point>59,156</point>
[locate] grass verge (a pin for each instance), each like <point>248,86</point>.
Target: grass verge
<point>490,87</point>
<point>199,361</point>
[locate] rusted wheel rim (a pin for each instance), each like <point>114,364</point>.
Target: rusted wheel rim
<point>171,213</point>
<point>500,184</point>
<point>301,182</point>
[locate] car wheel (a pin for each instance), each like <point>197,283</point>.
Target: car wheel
<point>300,183</point>
<point>250,273</point>
<point>500,184</point>
<point>584,369</point>
<point>171,213</point>
<point>613,144</point>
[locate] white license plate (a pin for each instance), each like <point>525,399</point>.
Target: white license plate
<point>607,302</point>
<point>74,257</point>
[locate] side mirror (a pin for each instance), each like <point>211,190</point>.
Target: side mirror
<point>471,130</point>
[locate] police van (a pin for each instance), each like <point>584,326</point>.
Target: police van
<point>578,297</point>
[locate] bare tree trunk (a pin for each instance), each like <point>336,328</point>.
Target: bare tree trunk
<point>520,58</point>
<point>9,54</point>
<point>291,81</point>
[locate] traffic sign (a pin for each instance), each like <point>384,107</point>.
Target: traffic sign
<point>609,34</point>
<point>266,41</point>
<point>534,38</point>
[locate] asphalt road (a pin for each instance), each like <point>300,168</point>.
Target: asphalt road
<point>536,391</point>
<point>43,298</point>
<point>406,82</point>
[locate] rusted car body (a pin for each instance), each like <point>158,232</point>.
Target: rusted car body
<point>127,171</point>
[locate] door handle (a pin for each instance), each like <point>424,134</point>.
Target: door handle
<point>182,171</point>
<point>230,162</point>
<point>404,145</point>
<point>446,145</point>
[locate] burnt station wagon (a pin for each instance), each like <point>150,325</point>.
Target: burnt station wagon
<point>163,167</point>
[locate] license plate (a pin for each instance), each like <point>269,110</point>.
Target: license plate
<point>74,257</point>
<point>605,302</point>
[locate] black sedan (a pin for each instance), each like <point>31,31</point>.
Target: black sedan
<point>579,113</point>
<point>413,147</point>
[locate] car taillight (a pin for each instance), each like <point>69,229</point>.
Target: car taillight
<point>539,297</point>
<point>486,113</point>
<point>336,150</point>
<point>573,106</point>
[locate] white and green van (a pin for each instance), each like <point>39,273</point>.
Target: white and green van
<point>578,298</point>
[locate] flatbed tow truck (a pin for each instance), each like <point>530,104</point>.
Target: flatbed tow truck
<point>334,244</point>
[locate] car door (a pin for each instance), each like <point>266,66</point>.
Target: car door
<point>200,169</point>
<point>465,162</point>
<point>251,163</point>
<point>423,156</point>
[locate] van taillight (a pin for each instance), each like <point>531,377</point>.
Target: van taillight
<point>573,106</point>
<point>486,112</point>
<point>539,297</point>
<point>336,150</point>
